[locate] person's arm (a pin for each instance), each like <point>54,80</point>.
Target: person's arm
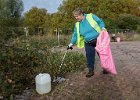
<point>74,37</point>
<point>99,21</point>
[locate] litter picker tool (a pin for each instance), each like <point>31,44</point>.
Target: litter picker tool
<point>58,78</point>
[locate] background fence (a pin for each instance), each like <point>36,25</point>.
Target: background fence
<point>58,34</point>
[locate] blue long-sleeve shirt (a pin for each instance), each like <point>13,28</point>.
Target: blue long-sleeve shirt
<point>86,30</point>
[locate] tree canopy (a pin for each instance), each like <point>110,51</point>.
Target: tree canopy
<point>10,12</point>
<point>35,17</point>
<point>108,10</point>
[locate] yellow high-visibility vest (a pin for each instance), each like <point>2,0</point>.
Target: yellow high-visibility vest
<point>93,23</point>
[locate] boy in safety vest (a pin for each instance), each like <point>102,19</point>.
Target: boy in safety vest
<point>86,31</point>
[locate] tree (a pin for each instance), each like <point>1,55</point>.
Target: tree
<point>66,18</point>
<point>128,21</point>
<point>36,17</point>
<point>113,8</point>
<point>10,12</point>
<point>108,10</point>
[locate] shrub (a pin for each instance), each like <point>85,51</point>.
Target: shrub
<point>127,21</point>
<point>21,62</point>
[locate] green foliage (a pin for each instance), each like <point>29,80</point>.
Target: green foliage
<point>110,24</point>
<point>108,10</point>
<point>113,8</point>
<point>7,33</point>
<point>65,11</point>
<point>23,59</point>
<point>73,62</point>
<point>36,17</point>
<point>127,21</point>
<point>10,12</point>
<point>138,29</point>
<point>50,41</point>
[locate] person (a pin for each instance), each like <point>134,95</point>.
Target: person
<point>86,31</point>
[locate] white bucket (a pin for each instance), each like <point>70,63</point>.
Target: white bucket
<point>43,83</point>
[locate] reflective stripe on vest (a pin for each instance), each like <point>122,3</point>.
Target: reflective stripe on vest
<point>93,23</point>
<point>80,39</point>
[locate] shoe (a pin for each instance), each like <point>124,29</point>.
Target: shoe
<point>90,73</point>
<point>105,72</point>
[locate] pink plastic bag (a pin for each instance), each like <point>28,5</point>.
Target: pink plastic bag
<point>104,51</point>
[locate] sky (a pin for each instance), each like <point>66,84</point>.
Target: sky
<point>50,5</point>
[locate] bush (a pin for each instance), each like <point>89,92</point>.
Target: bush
<point>138,29</point>
<point>21,62</point>
<point>127,21</point>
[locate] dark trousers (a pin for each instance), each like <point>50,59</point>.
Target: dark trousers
<point>90,54</point>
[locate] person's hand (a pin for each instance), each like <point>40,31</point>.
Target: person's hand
<point>70,46</point>
<point>104,29</point>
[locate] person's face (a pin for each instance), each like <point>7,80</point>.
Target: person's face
<point>78,17</point>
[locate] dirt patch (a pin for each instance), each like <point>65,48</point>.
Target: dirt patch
<point>124,86</point>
